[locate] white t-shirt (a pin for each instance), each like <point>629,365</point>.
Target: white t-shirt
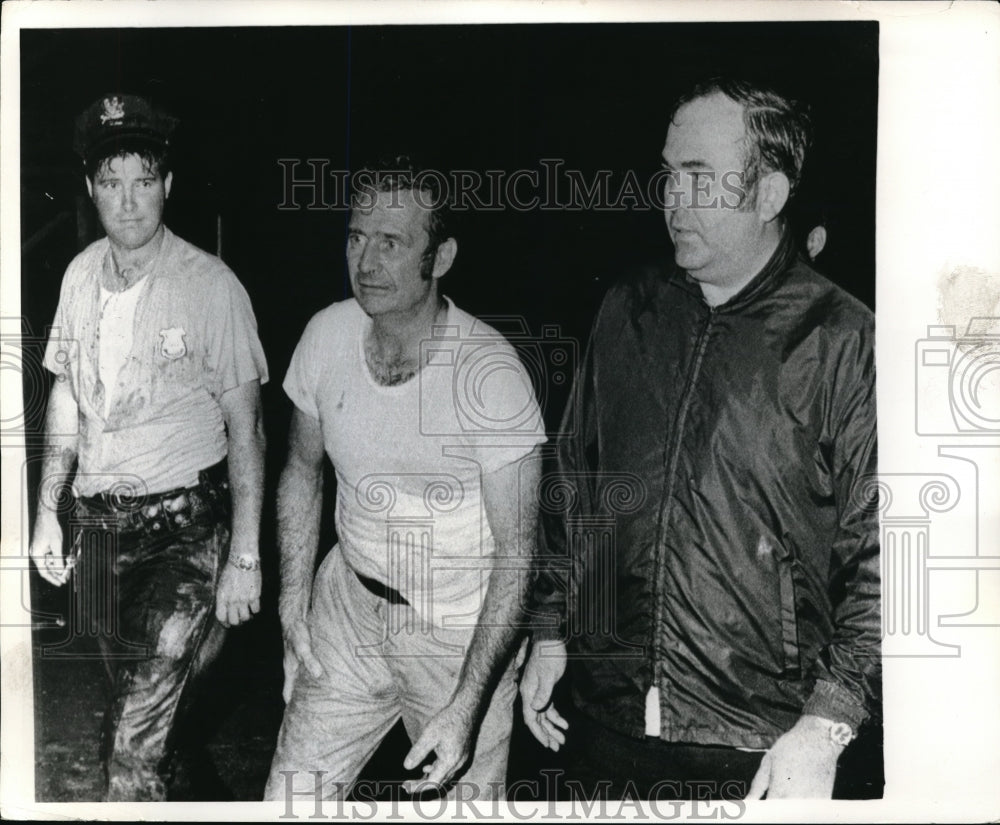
<point>115,334</point>
<point>409,458</point>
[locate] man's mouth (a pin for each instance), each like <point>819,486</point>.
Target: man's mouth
<point>683,231</point>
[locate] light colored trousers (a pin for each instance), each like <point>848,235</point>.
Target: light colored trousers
<point>380,663</point>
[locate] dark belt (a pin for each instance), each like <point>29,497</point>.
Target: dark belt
<point>383,591</point>
<point>157,513</point>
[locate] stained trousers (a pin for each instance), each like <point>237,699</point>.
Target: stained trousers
<point>380,663</point>
<point>149,595</point>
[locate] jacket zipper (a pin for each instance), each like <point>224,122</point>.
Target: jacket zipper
<point>672,455</point>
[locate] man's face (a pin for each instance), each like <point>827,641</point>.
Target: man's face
<point>129,197</point>
<point>704,149</point>
<point>386,240</point>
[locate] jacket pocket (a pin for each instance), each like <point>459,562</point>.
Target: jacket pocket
<point>789,619</point>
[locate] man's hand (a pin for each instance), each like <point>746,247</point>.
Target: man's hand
<point>802,764</point>
<point>449,734</point>
<point>47,553</point>
<point>545,668</point>
<point>238,596</point>
<point>298,651</point>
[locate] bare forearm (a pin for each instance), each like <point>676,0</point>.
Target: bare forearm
<point>61,448</point>
<point>510,496</point>
<point>496,633</point>
<point>300,500</point>
<point>246,485</point>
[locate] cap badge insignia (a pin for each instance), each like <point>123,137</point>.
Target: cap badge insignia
<point>114,109</point>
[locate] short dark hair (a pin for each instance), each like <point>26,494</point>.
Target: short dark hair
<point>153,154</point>
<point>778,129</point>
<point>396,173</point>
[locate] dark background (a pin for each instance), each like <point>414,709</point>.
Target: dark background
<point>474,97</point>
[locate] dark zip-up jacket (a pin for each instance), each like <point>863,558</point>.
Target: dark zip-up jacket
<point>711,524</point>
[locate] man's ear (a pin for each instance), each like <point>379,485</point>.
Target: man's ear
<point>772,195</point>
<point>444,257</point>
<point>815,241</point>
<point>169,179</point>
<point>90,186</point>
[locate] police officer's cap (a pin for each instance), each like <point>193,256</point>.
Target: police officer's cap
<point>116,117</point>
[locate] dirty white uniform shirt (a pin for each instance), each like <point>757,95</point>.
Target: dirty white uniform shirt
<point>159,420</point>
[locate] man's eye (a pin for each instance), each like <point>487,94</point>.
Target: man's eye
<point>389,244</point>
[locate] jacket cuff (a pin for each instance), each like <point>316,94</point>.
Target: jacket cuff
<point>833,702</point>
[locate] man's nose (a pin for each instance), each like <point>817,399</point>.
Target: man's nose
<point>128,198</point>
<point>368,261</point>
<point>676,194</point>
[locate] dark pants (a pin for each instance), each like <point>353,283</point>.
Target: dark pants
<point>611,765</point>
<point>147,576</point>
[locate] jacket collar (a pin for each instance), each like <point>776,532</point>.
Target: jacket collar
<point>761,284</point>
